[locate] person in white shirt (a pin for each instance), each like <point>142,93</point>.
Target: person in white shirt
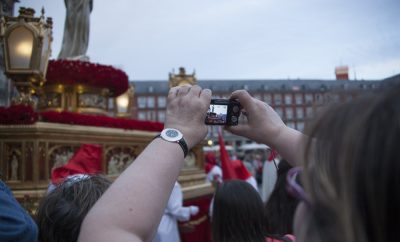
<point>168,229</point>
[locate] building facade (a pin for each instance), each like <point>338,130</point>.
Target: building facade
<point>294,100</point>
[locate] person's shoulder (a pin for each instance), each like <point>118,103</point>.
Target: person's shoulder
<point>5,190</point>
<point>17,225</point>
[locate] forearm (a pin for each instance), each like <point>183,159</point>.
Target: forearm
<point>136,200</point>
<point>290,144</point>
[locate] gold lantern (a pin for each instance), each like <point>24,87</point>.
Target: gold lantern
<point>124,103</point>
<point>27,47</point>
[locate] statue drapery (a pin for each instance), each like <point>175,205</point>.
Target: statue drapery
<point>76,29</point>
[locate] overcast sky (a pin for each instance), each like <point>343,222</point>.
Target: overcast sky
<point>240,39</point>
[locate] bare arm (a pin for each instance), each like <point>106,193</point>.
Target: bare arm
<point>131,209</point>
<point>265,126</point>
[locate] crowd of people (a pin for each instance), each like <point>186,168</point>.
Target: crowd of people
<point>339,180</point>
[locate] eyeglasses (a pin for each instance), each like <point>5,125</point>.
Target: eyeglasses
<point>294,188</point>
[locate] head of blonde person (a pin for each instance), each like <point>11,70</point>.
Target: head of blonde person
<point>351,172</point>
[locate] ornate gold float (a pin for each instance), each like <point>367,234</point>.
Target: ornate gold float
<point>28,153</point>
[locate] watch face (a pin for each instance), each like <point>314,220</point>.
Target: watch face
<point>171,135</point>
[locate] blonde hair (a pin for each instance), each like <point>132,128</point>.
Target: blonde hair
<point>352,171</point>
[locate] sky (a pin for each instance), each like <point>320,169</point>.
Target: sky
<point>239,39</point>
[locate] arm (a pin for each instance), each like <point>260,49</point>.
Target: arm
<point>131,209</point>
<point>265,126</point>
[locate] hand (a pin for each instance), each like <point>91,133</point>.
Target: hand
<point>186,111</point>
<point>194,210</point>
<point>263,123</point>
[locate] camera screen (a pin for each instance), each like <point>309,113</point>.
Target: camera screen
<point>217,114</point>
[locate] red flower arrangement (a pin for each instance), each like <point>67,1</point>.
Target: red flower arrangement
<point>21,114</point>
<point>71,72</point>
<point>18,114</point>
<point>99,121</point>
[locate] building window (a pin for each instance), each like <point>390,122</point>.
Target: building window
<point>299,113</point>
<point>309,111</point>
<point>225,96</point>
<point>161,116</point>
<point>300,126</point>
<point>288,99</point>
<point>150,102</point>
<point>142,115</point>
<point>309,98</point>
<point>299,98</point>
<point>277,99</point>
<point>327,98</point>
<point>267,98</point>
<point>110,103</point>
<point>348,98</point>
<point>319,98</point>
<point>290,125</point>
<point>289,113</point>
<point>278,110</point>
<point>257,96</point>
<point>217,96</point>
<point>151,115</point>
<point>161,101</point>
<point>141,102</point>
<point>335,98</point>
<point>318,109</point>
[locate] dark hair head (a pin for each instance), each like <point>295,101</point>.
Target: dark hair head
<point>62,211</point>
<point>237,213</point>
<point>352,171</point>
<point>280,207</point>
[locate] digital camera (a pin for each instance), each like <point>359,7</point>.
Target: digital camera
<point>223,112</point>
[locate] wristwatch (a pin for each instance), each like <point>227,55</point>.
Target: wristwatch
<point>175,136</point>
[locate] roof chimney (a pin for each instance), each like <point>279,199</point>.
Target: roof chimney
<point>342,73</point>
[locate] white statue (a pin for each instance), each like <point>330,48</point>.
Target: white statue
<point>14,168</point>
<point>113,167</point>
<point>62,159</point>
<point>76,30</point>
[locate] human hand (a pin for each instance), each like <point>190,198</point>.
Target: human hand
<point>186,111</point>
<point>263,123</point>
<point>194,210</point>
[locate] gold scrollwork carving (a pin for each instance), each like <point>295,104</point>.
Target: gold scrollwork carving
<point>191,225</point>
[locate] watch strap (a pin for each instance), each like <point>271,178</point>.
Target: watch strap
<point>181,142</point>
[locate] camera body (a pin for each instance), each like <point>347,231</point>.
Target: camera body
<point>223,112</point>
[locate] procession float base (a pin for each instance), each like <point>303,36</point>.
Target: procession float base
<point>28,153</point>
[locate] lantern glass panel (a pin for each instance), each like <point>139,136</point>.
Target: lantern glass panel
<point>123,103</point>
<point>45,53</point>
<point>20,43</point>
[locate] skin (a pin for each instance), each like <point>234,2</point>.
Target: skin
<point>265,126</point>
